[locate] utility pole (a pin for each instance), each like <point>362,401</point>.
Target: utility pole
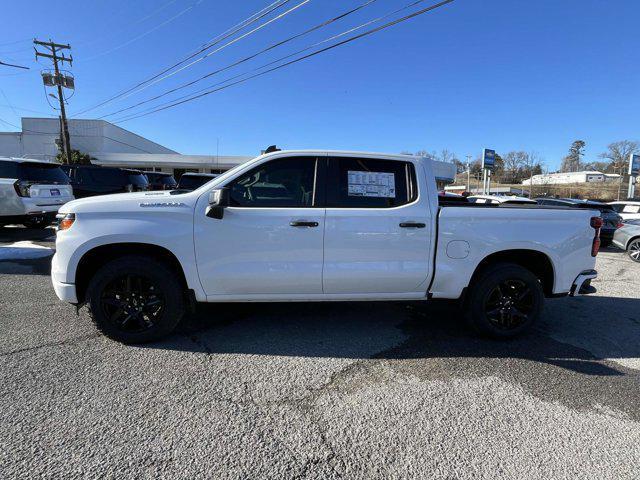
<point>59,81</point>
<point>469,173</point>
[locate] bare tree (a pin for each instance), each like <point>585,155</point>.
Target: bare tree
<point>618,154</point>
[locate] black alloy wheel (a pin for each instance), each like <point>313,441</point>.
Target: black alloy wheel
<point>509,304</point>
<point>504,300</point>
<point>136,299</point>
<point>132,303</point>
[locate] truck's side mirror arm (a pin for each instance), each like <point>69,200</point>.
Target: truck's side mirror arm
<point>218,201</point>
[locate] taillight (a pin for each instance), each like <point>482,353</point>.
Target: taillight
<point>596,223</point>
<point>22,188</point>
<point>65,221</point>
<point>619,225</point>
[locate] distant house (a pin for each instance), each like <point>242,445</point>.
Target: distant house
<point>586,176</point>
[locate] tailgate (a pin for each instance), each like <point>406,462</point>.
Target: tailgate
<point>50,191</point>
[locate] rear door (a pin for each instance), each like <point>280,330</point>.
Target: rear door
<point>377,232</point>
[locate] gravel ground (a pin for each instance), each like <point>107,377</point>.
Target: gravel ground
<point>365,390</point>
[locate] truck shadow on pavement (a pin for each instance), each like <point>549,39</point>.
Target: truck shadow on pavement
<point>576,355</point>
<point>574,333</point>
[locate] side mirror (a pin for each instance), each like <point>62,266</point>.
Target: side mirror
<point>218,200</point>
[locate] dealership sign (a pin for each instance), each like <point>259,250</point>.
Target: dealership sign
<point>634,164</point>
<point>488,159</point>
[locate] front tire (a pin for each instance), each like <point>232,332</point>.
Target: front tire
<point>633,250</point>
<point>135,299</point>
<point>504,301</point>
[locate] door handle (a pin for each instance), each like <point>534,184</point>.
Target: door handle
<point>412,225</point>
<point>302,223</point>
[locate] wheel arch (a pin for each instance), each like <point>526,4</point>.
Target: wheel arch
<point>96,257</point>
<point>631,239</point>
<point>535,261</point>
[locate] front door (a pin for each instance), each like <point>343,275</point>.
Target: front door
<point>378,229</point>
<point>270,241</point>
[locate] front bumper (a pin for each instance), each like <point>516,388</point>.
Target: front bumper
<point>65,291</point>
<point>582,283</point>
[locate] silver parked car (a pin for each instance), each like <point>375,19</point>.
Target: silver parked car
<point>627,238</point>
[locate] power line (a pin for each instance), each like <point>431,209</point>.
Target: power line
<point>317,52</point>
<point>142,35</point>
<point>302,3</point>
<point>310,47</point>
<point>245,59</point>
<point>93,40</point>
<point>221,37</point>
<point>14,66</point>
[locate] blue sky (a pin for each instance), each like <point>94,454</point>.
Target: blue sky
<point>511,75</point>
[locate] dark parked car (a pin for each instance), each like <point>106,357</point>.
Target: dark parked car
<point>161,181</point>
<point>191,181</point>
<point>611,220</point>
<point>91,180</point>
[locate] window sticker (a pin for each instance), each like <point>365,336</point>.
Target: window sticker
<point>371,184</point>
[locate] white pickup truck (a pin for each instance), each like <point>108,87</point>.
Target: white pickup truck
<point>316,226</point>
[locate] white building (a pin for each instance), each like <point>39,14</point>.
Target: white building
<point>111,145</point>
<point>107,144</point>
<point>587,176</point>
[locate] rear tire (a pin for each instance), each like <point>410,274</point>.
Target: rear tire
<point>504,301</point>
<point>633,250</point>
<point>135,299</point>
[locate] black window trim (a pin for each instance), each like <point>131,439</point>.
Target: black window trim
<point>319,180</point>
<point>410,176</point>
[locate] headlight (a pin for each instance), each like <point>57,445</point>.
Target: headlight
<point>65,220</point>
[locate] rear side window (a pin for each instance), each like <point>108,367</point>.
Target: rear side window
<point>42,172</point>
<point>370,183</point>
<point>8,169</point>
<point>136,179</point>
<point>107,176</point>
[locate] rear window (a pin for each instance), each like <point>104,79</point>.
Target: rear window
<point>42,172</point>
<point>33,172</point>
<point>192,182</point>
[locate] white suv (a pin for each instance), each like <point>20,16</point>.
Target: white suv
<point>31,191</point>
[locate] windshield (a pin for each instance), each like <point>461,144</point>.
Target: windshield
<point>42,172</point>
<point>192,182</point>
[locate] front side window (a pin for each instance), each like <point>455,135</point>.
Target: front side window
<point>284,182</point>
<point>370,183</point>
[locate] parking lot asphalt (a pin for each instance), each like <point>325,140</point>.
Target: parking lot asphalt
<point>335,390</point>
